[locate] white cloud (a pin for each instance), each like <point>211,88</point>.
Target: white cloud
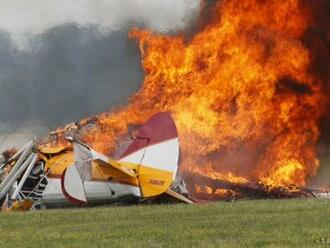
<point>26,17</point>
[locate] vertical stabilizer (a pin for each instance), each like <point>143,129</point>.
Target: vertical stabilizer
<point>156,150</point>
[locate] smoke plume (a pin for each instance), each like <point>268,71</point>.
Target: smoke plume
<point>61,61</point>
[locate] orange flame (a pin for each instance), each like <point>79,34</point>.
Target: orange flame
<point>240,91</point>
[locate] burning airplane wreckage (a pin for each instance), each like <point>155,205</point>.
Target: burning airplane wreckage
<point>248,93</point>
<point>39,177</point>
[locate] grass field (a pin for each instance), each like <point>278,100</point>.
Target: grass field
<point>262,223</point>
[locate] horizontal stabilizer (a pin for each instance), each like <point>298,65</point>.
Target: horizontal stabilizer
<point>105,161</point>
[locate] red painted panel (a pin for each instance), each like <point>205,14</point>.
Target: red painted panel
<point>159,128</point>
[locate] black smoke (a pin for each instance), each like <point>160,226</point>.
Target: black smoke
<point>68,72</point>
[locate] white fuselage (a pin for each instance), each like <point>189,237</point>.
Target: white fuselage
<point>97,192</point>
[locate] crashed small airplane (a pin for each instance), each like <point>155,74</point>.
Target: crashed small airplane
<point>61,177</point>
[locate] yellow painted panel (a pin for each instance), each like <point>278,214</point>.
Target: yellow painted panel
<point>53,150</point>
<point>109,173</point>
<point>154,181</point>
<point>59,163</point>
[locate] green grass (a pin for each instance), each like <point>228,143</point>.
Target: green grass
<point>263,223</point>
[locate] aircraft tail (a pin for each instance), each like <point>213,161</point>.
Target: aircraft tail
<point>156,151</point>
<point>156,144</point>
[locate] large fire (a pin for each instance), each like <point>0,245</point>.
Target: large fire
<point>245,104</point>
